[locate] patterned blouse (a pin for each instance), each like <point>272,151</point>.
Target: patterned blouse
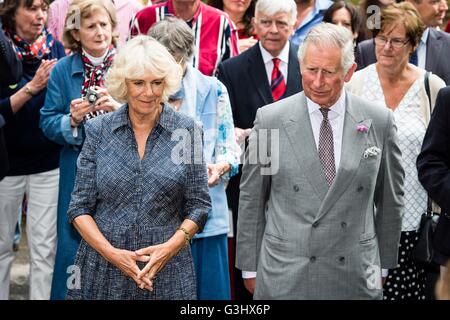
<point>410,130</point>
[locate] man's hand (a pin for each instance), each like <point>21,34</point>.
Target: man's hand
<point>250,284</point>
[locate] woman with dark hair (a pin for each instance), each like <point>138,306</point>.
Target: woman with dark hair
<point>241,13</point>
<point>33,159</point>
<point>343,13</point>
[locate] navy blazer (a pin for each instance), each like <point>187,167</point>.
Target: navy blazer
<point>433,167</point>
<point>438,43</point>
<point>246,80</point>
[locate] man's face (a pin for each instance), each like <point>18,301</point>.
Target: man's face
<point>273,31</point>
<point>431,11</point>
<point>323,76</point>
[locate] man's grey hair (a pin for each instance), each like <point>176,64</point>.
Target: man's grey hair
<point>175,35</point>
<point>327,35</point>
<point>273,7</point>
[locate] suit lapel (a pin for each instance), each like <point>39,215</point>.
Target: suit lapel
<point>257,72</point>
<point>353,146</point>
<point>434,44</point>
<point>294,83</point>
<point>301,138</point>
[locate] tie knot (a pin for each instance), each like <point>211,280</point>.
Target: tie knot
<point>276,62</point>
<point>324,113</point>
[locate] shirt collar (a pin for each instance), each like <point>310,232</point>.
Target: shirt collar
<point>283,56</point>
<point>194,19</point>
<point>166,119</point>
<point>338,109</point>
<point>425,34</point>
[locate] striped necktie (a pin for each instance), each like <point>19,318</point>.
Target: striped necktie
<point>277,85</point>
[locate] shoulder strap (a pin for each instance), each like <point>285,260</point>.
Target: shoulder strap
<point>427,89</point>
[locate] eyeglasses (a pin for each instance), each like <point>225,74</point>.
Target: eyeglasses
<point>280,24</point>
<point>397,43</point>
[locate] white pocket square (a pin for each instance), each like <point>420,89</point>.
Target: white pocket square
<point>371,152</point>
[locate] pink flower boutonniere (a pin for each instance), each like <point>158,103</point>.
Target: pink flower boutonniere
<point>362,128</point>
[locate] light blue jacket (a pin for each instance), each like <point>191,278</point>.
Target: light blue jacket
<point>208,91</point>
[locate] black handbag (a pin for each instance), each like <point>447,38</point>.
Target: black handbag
<point>423,251</point>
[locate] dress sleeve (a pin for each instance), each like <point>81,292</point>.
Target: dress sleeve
<point>84,195</point>
<point>197,202</point>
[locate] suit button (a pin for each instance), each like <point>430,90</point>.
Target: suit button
<point>312,259</point>
<point>341,259</point>
<point>343,225</point>
<point>315,224</point>
<point>360,188</point>
<point>296,188</point>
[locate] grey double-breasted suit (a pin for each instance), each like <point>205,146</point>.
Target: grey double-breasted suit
<point>307,240</point>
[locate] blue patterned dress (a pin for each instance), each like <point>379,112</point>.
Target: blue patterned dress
<point>137,203</point>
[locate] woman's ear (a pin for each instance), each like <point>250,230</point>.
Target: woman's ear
<point>75,34</point>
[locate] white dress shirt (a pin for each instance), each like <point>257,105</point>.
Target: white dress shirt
<point>336,117</point>
<point>422,49</point>
<point>268,63</point>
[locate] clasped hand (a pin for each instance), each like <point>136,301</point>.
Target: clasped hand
<point>156,257</point>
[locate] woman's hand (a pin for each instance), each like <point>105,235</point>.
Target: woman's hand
<point>78,109</point>
<point>42,75</point>
<point>126,261</point>
<point>241,134</point>
<point>105,102</point>
<point>215,171</point>
<point>157,256</point>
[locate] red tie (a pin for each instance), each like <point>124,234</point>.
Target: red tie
<point>278,85</point>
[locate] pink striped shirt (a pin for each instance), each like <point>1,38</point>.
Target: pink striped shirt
<point>215,35</point>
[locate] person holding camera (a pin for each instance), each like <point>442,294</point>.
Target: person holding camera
<point>74,96</point>
<point>33,159</point>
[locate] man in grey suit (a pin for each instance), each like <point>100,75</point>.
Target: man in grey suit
<point>431,53</point>
<point>322,185</point>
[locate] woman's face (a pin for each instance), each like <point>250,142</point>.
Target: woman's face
<point>30,21</point>
<point>236,7</point>
<point>397,48</point>
<point>144,94</point>
<point>343,18</point>
<point>95,34</point>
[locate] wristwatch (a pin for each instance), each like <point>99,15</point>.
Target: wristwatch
<point>29,91</point>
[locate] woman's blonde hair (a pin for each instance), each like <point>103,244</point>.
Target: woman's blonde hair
<point>142,56</point>
<point>83,9</point>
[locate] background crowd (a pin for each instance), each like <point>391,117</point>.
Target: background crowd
<point>102,193</point>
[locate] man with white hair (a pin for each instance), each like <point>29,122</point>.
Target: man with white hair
<point>307,220</point>
<point>267,72</point>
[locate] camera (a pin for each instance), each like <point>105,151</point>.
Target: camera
<point>92,95</point>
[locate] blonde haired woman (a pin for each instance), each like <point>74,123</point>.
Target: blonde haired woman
<point>133,202</point>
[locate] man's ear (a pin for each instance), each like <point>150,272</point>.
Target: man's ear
<point>350,72</point>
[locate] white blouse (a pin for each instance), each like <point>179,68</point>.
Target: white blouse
<point>411,129</point>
